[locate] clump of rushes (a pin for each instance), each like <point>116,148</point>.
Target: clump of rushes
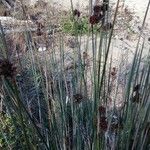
<point>7,69</point>
<point>76,13</point>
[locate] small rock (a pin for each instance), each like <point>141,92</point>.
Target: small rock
<point>41,49</point>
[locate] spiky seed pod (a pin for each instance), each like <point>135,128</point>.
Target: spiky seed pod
<point>7,69</point>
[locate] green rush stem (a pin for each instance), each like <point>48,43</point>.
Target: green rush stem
<point>108,48</point>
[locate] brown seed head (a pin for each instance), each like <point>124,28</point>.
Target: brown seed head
<point>103,123</point>
<point>95,19</point>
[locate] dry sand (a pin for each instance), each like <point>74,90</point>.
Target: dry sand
<point>136,6</point>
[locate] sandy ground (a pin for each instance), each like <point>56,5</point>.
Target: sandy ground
<point>138,6</point>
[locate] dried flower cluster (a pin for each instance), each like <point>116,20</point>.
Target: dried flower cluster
<point>94,19</point>
<point>104,123</point>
